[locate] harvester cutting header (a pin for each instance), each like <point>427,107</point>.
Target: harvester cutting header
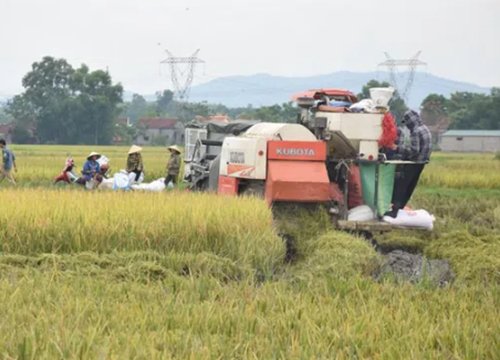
<point>341,153</point>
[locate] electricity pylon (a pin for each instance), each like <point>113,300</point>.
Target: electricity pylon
<point>182,86</point>
<point>392,66</point>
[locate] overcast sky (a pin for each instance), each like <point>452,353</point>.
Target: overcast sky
<point>459,39</point>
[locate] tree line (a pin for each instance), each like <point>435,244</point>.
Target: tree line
<point>65,105</point>
<point>463,110</point>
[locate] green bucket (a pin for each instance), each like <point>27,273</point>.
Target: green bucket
<point>373,174</point>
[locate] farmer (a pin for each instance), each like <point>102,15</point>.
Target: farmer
<point>66,174</point>
<point>174,165</point>
<point>8,163</point>
<point>91,170</point>
<point>134,162</point>
<point>419,152</point>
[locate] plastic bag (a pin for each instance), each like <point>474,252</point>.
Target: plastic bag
<point>106,184</point>
<point>89,185</point>
<point>412,218</point>
<point>103,160</point>
<point>365,105</point>
<point>361,213</point>
<point>121,181</point>
<point>154,186</point>
<point>132,176</point>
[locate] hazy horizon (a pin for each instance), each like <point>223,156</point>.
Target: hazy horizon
<point>292,38</point>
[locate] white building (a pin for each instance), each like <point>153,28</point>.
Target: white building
<point>158,131</point>
<point>470,141</point>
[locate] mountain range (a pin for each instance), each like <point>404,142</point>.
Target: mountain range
<point>264,89</point>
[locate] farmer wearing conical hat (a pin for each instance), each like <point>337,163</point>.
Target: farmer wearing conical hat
<point>134,161</point>
<point>91,169</point>
<point>173,165</point>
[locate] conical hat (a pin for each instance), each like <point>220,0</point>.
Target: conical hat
<point>175,148</point>
<point>93,153</point>
<point>134,149</point>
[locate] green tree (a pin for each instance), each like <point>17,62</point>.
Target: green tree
<point>93,105</point>
<point>475,111</point>
<point>434,113</point>
<point>434,110</point>
<point>67,105</point>
<point>285,112</point>
<point>434,106</point>
<point>5,117</point>
<point>21,135</point>
<point>186,112</point>
<point>163,100</point>
<point>125,134</point>
<point>136,108</point>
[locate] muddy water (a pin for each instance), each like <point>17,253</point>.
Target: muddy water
<point>414,268</point>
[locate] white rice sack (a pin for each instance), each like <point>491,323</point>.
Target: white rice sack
<point>155,186</point>
<point>131,177</point>
<point>106,184</point>
<point>90,185</point>
<point>365,105</point>
<point>103,160</point>
<point>361,213</point>
<point>121,181</point>
<point>72,177</point>
<point>412,218</point>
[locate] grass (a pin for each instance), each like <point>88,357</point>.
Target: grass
<point>177,275</point>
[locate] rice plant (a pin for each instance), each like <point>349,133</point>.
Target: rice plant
<point>181,275</point>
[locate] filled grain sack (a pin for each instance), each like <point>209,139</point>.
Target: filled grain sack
<point>361,213</point>
<point>121,181</point>
<point>412,218</point>
<point>155,186</point>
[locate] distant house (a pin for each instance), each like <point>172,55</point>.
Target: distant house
<point>125,121</point>
<point>470,140</point>
<point>159,131</point>
<point>6,132</point>
<point>217,118</point>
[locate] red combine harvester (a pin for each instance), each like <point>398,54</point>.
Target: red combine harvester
<point>331,157</point>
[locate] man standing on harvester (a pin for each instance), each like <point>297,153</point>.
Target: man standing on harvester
<point>419,152</point>
<point>173,165</point>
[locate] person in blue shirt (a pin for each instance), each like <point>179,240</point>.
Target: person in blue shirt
<point>91,169</point>
<point>8,163</point>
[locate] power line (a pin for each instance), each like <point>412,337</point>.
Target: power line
<point>182,86</point>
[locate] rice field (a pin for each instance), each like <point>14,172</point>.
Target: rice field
<point>462,171</point>
<point>38,165</point>
<point>117,275</point>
